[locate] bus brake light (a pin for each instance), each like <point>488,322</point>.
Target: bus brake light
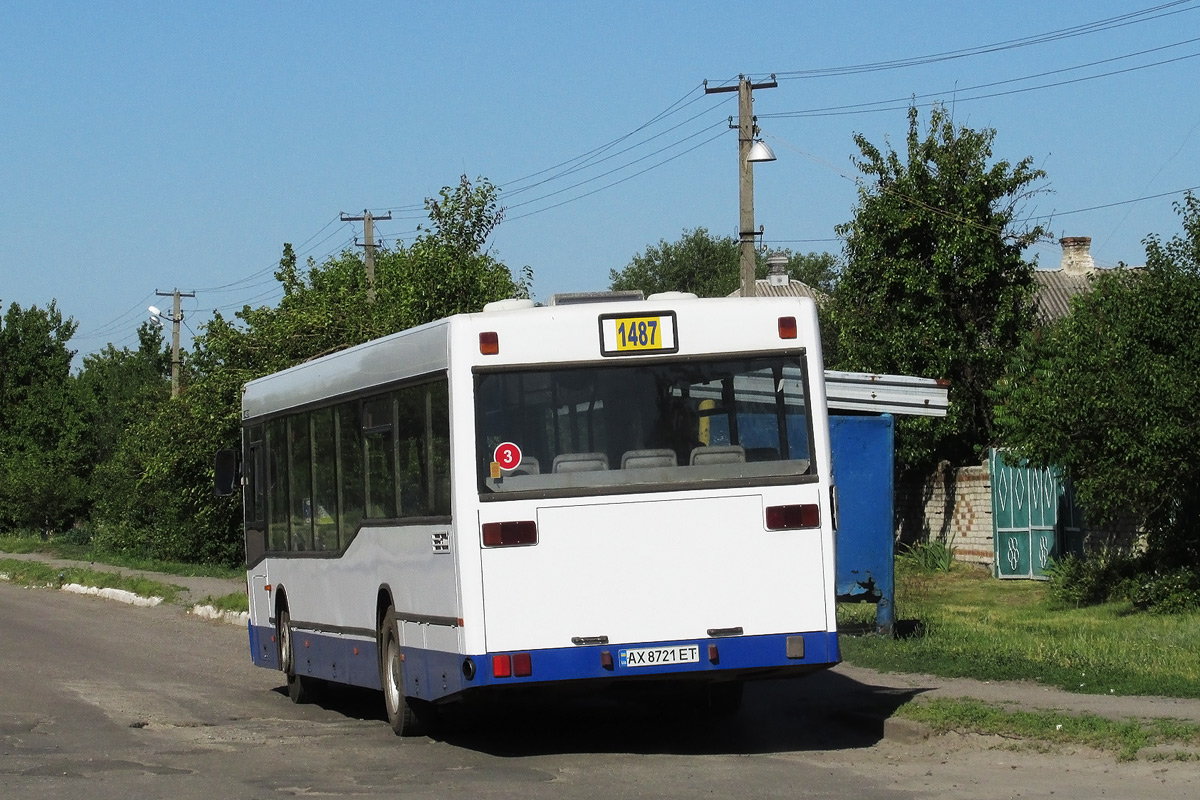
<point>782,518</point>
<point>508,534</point>
<point>787,327</point>
<point>502,666</point>
<point>489,343</point>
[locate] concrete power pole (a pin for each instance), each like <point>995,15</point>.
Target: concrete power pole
<point>368,220</point>
<point>176,318</point>
<point>747,128</point>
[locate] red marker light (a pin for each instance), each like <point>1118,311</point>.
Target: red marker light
<point>782,518</point>
<point>502,666</point>
<point>489,343</point>
<point>787,327</point>
<point>508,534</point>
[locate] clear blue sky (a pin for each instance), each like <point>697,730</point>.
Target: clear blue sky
<point>152,145</point>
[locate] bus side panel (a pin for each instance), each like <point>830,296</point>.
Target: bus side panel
<point>332,600</point>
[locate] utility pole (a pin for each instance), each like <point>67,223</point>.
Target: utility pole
<point>368,220</point>
<point>747,129</point>
<point>176,318</point>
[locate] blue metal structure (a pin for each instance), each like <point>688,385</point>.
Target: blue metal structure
<point>862,470</point>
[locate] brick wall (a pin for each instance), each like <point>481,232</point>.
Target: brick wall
<point>955,506</point>
<point>952,506</point>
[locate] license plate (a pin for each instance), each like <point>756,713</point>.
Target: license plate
<point>660,656</point>
<point>631,335</point>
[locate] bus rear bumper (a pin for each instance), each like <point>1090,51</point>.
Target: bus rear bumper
<point>435,675</point>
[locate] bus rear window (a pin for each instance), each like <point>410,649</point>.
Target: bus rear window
<point>650,426</point>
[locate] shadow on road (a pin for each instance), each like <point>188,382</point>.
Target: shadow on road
<point>825,711</point>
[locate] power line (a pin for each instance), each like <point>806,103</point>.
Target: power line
<point>1110,23</point>
<point>891,104</point>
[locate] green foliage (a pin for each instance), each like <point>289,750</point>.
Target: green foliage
<point>158,499</point>
<point>709,266</point>
<point>1096,578</point>
<point>969,624</point>
<point>1110,394</point>
<point>42,458</point>
<point>33,573</point>
<point>1125,739</point>
<point>935,283</point>
<point>699,262</point>
<point>1174,591</point>
<point>235,602</point>
<point>931,556</point>
<point>118,390</point>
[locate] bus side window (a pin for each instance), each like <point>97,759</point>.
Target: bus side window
<point>379,446</point>
<point>351,503</point>
<point>325,480</point>
<point>412,467</point>
<point>277,491</point>
<point>439,447</point>
<point>300,474</point>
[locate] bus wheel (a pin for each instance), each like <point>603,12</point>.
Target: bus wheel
<point>400,714</point>
<point>301,688</point>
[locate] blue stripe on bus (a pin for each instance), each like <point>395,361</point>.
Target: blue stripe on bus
<point>434,674</point>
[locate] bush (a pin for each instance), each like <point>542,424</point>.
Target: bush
<point>1092,579</point>
<point>1174,592</point>
<point>931,556</point>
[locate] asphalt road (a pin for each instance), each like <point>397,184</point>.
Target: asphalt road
<point>102,700</point>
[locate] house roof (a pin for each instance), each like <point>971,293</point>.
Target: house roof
<point>763,287</point>
<point>1056,287</point>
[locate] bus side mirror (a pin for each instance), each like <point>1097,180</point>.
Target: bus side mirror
<point>225,471</point>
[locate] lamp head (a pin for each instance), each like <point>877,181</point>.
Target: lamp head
<point>759,151</point>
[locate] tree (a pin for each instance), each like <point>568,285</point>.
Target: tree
<point>1110,394</point>
<point>935,283</point>
<point>709,266</point>
<point>41,427</point>
<point>160,499</point>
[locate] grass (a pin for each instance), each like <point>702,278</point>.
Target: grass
<point>965,623</point>
<point>1125,738</point>
<point>236,602</point>
<point>58,548</point>
<point>35,573</point>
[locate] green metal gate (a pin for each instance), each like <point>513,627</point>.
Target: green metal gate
<point>1034,518</point>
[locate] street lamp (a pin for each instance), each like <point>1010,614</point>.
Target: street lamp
<point>750,150</point>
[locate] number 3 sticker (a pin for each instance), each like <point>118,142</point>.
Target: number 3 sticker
<point>507,455</point>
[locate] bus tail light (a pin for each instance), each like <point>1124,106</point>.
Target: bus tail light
<point>489,343</point>
<point>508,534</point>
<point>782,518</point>
<point>787,327</point>
<point>502,666</point>
<point>517,665</point>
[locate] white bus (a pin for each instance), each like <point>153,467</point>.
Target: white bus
<point>582,494</point>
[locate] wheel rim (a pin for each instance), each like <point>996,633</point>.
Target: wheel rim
<point>392,675</point>
<point>285,644</point>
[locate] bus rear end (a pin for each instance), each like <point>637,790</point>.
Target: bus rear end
<point>654,496</point>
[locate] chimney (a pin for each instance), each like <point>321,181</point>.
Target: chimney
<point>1076,255</point>
<point>777,270</point>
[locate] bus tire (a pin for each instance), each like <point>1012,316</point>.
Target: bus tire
<point>400,713</point>
<point>300,688</point>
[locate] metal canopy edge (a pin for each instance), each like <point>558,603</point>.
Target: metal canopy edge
<point>886,394</point>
